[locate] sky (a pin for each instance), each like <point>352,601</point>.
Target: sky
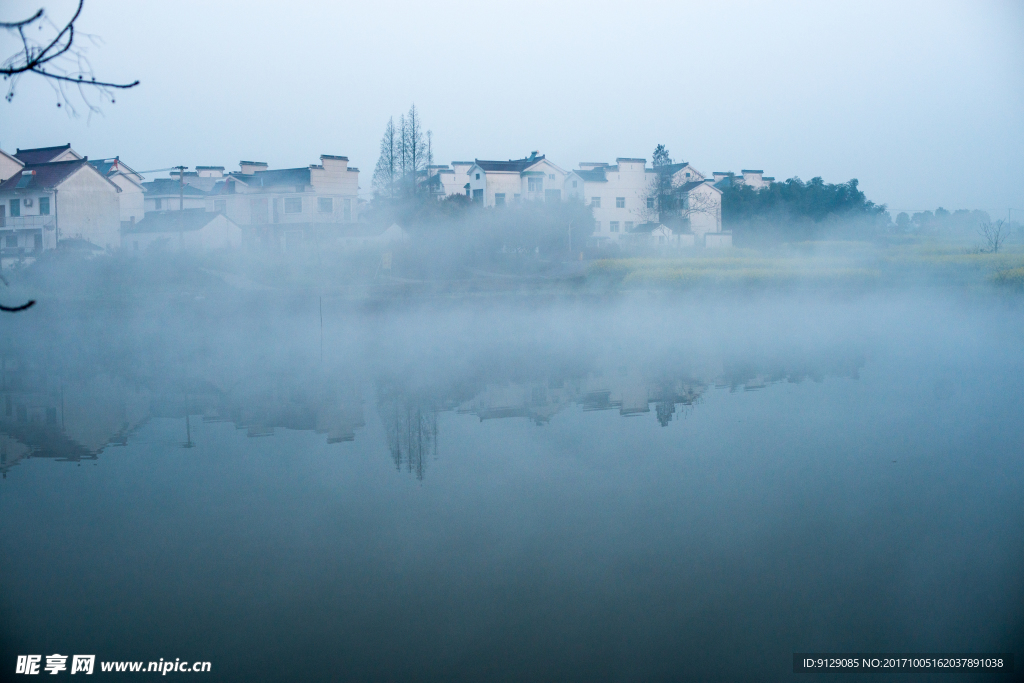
<point>922,102</point>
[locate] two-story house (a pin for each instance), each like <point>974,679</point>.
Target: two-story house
<point>618,195</point>
<point>533,178</point>
<point>45,203</point>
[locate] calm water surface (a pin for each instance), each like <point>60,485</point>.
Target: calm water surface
<point>649,490</point>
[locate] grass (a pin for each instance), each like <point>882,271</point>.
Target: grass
<point>817,264</point>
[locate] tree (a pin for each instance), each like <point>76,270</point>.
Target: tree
<point>661,157</point>
<point>58,60</point>
<point>995,234</point>
<point>386,171</point>
<point>415,147</point>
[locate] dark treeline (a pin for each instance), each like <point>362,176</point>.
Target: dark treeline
<point>798,210</point>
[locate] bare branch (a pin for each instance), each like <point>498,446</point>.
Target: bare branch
<point>47,60</point>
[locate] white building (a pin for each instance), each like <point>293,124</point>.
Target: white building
<point>131,198</point>
<point>45,203</point>
<point>616,194</point>
<point>182,230</point>
<point>624,200</point>
<point>534,178</point>
<point>445,181</point>
<point>258,196</point>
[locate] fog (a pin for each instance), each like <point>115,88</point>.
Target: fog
<point>573,484</point>
<point>371,419</point>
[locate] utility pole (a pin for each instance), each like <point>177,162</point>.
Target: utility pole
<point>181,212</point>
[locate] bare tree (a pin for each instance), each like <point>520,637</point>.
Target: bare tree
<point>995,234</point>
<point>415,146</point>
<point>59,60</point>
<point>385,173</point>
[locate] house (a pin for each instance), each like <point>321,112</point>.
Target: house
<point>618,195</point>
<point>132,196</point>
<point>293,200</point>
<point>444,180</point>
<point>44,203</point>
<point>687,201</point>
<point>170,194</point>
<point>663,205</point>
<point>495,183</point>
<point>178,230</point>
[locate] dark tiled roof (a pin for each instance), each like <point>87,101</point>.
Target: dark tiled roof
<point>40,155</point>
<point>747,170</point>
<point>45,176</point>
<point>686,187</point>
<point>672,168</point>
<point>594,176</point>
<point>165,186</point>
<point>512,165</point>
<point>186,220</point>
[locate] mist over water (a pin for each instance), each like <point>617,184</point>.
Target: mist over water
<point>611,487</point>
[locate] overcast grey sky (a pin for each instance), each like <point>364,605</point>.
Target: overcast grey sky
<point>923,102</point>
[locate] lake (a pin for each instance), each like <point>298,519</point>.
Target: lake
<point>639,488</point>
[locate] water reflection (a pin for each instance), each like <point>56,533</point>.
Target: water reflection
<point>76,412</point>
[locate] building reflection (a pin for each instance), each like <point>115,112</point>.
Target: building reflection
<point>74,414</point>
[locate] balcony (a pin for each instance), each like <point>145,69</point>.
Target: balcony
<point>27,222</point>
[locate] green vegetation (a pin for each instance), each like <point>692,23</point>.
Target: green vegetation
<point>795,210</point>
<point>836,264</point>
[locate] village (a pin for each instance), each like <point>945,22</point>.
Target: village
<point>54,197</point>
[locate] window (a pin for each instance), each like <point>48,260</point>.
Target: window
<point>574,183</point>
<point>325,204</point>
<point>12,241</point>
<point>293,204</point>
<point>534,184</point>
<point>499,199</point>
<point>348,209</point>
<point>478,176</point>
<point>650,202</point>
<point>620,202</point>
<point>44,206</point>
<point>629,226</point>
<point>37,240</point>
<point>551,176</point>
<point>220,205</point>
<point>159,204</point>
<point>613,226</point>
<point>595,202</point>
<point>15,209</point>
<point>687,174</point>
<point>478,196</point>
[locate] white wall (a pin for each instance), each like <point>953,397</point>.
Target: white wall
<point>629,179</point>
<point>131,199</point>
<point>87,207</point>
